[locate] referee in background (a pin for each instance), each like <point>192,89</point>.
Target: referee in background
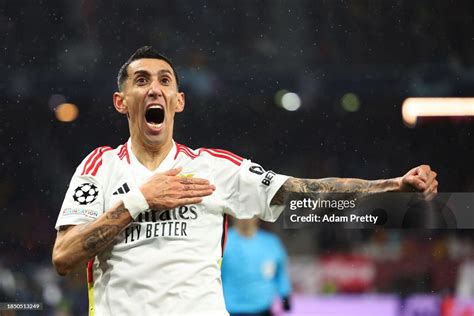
<point>254,270</point>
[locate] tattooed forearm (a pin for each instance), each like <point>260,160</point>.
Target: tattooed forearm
<point>115,214</point>
<point>100,237</point>
<point>333,185</point>
<point>326,185</point>
<point>76,244</point>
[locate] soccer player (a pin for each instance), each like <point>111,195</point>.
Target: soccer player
<point>149,217</point>
<point>254,270</point>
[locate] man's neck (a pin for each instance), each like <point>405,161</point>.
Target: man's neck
<point>151,157</point>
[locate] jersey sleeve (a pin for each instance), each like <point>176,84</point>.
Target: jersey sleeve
<point>249,189</point>
<point>84,200</point>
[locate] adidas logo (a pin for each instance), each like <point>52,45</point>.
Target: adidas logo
<point>122,190</point>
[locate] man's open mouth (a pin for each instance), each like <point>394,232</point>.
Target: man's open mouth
<point>155,115</point>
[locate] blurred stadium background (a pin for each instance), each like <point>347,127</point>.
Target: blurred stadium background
<point>351,65</point>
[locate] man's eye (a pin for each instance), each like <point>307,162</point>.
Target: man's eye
<point>165,80</point>
<point>141,80</point>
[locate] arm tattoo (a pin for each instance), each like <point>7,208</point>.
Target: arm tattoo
<point>115,214</point>
<point>99,238</point>
<point>332,185</point>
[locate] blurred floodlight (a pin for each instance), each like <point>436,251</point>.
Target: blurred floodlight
<point>413,108</point>
<point>350,102</point>
<point>66,112</point>
<point>290,101</point>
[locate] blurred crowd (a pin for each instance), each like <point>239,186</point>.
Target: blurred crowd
<point>382,262</point>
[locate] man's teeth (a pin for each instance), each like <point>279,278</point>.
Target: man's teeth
<point>155,106</point>
<point>154,125</point>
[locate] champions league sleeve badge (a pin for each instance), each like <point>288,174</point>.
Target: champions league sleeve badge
<point>85,193</point>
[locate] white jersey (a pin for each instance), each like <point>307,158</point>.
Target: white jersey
<point>166,262</point>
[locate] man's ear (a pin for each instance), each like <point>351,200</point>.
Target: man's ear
<point>180,103</point>
<point>120,103</point>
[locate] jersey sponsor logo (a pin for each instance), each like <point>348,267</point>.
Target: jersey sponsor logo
<point>268,178</point>
<point>166,223</point>
<point>257,169</point>
<point>85,193</point>
<point>136,231</point>
<point>81,212</point>
<point>122,189</point>
<point>186,212</point>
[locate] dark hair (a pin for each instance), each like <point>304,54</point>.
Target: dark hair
<point>142,52</point>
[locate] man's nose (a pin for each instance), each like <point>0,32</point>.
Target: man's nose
<point>155,90</point>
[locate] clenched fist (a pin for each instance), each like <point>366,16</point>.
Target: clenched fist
<point>419,179</point>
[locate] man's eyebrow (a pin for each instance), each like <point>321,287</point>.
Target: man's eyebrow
<point>142,72</point>
<point>147,73</point>
<point>163,71</point>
